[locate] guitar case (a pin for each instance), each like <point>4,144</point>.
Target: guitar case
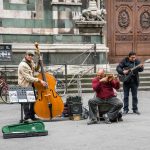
<point>21,130</point>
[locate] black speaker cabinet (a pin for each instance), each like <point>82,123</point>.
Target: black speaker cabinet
<point>74,105</point>
<point>75,108</point>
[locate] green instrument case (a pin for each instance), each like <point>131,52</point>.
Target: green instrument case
<point>22,130</point>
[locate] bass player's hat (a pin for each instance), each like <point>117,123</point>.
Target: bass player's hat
<point>30,52</point>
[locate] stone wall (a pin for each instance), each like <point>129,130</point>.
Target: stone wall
<point>51,22</point>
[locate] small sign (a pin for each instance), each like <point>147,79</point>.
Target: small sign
<point>5,52</point>
<point>22,100</point>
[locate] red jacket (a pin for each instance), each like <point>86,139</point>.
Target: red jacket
<point>105,90</point>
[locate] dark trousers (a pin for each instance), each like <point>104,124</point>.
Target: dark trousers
<point>29,110</point>
<point>126,89</point>
<point>112,113</point>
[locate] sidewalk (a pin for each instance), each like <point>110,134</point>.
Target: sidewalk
<point>131,134</point>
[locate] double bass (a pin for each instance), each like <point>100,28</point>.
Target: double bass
<point>48,103</point>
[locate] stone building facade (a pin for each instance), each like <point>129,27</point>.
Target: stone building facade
<point>51,23</point>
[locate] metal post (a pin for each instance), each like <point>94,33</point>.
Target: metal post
<point>79,85</point>
<point>66,80</point>
<point>5,81</point>
<point>94,57</point>
<point>5,73</point>
<point>21,121</point>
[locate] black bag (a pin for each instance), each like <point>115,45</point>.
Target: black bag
<point>119,116</point>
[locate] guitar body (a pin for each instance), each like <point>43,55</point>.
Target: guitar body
<point>126,78</point>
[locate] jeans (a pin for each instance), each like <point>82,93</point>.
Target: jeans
<point>112,113</point>
<point>126,89</point>
<point>29,110</point>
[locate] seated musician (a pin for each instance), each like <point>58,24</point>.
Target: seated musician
<point>104,87</point>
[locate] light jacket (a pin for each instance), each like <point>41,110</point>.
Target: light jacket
<point>25,74</point>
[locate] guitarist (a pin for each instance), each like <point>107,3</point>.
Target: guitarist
<point>129,68</point>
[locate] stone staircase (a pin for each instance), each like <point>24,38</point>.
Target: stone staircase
<point>87,88</point>
<point>86,81</point>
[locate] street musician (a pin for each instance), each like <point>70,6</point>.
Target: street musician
<point>26,79</point>
<point>129,69</point>
<point>104,85</point>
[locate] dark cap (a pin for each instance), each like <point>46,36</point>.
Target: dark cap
<point>31,52</point>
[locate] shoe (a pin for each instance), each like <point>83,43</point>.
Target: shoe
<point>125,112</point>
<point>35,119</point>
<point>136,112</point>
<point>106,119</point>
<point>27,120</point>
<point>120,119</point>
<point>92,122</point>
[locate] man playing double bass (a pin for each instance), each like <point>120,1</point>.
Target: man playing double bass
<point>26,78</point>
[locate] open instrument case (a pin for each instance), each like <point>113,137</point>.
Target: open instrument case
<point>22,130</point>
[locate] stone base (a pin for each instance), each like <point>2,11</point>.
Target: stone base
<point>90,26</point>
<point>70,54</point>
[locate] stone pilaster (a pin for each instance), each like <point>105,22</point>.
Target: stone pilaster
<point>1,4</point>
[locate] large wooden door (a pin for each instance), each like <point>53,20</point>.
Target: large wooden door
<point>128,28</point>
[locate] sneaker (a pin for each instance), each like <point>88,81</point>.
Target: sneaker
<point>106,119</point>
<point>27,120</point>
<point>136,112</point>
<point>92,122</point>
<point>125,112</point>
<point>35,119</point>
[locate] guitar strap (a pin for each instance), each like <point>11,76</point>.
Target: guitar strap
<point>134,63</point>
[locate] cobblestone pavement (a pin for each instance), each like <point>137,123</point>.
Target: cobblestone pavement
<point>131,134</point>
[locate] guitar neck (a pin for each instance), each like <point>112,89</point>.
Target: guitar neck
<point>132,69</point>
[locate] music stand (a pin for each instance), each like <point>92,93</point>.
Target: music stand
<point>21,95</point>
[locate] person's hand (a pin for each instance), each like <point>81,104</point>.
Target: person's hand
<point>105,79</point>
<point>125,71</point>
<point>43,83</point>
<point>141,65</point>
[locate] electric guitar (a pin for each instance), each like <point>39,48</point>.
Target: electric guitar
<point>127,77</point>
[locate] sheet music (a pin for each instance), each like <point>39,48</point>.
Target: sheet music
<point>19,94</point>
<point>30,96</point>
<point>13,96</point>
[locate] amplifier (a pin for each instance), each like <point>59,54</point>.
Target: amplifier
<point>74,105</point>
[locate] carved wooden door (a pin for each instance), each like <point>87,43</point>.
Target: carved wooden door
<point>128,28</point>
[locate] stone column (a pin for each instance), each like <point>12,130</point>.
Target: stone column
<point>1,4</point>
<point>98,4</point>
<point>39,9</point>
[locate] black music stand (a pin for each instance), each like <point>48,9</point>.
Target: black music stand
<point>21,95</point>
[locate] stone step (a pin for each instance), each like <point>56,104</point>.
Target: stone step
<point>86,80</point>
<point>90,90</point>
